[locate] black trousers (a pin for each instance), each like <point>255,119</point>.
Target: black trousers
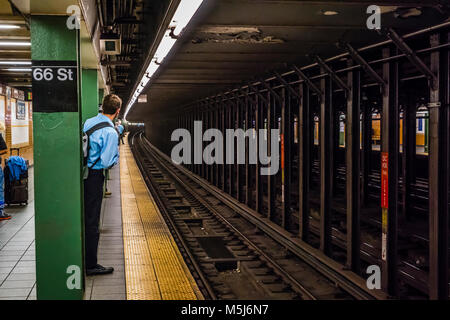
<point>93,196</point>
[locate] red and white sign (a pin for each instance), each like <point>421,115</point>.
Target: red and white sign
<point>282,150</point>
<point>384,180</point>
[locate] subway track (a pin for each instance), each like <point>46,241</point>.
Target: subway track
<point>413,243</point>
<point>231,254</point>
<point>412,232</point>
<point>412,265</point>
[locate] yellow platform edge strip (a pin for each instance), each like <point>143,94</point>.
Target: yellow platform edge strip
<point>154,266</point>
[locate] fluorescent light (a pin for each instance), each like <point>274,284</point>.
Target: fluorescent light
<point>9,26</point>
<point>164,47</point>
<point>15,43</point>
<point>185,12</point>
<point>151,69</point>
<point>12,62</point>
<point>181,18</point>
<point>144,81</point>
<point>19,69</point>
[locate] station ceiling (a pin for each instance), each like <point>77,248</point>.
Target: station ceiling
<point>17,12</point>
<point>238,40</point>
<point>135,20</point>
<point>10,14</point>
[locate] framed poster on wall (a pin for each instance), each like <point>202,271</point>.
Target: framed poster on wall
<point>19,124</point>
<point>20,110</point>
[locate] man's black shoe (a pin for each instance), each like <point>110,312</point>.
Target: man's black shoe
<point>99,269</point>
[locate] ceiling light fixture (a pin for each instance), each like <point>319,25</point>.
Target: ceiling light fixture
<point>164,47</point>
<point>184,14</point>
<point>15,43</point>
<point>181,18</point>
<point>9,26</point>
<point>19,69</point>
<point>12,62</point>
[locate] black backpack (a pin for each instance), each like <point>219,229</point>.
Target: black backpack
<point>86,144</point>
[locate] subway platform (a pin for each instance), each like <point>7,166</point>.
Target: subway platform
<point>134,239</point>
<point>154,267</point>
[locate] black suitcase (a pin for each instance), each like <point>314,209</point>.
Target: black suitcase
<point>16,192</point>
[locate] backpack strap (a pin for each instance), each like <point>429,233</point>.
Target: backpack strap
<point>98,126</point>
<point>95,162</point>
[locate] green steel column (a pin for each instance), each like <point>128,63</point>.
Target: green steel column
<point>101,93</point>
<point>57,174</point>
<point>90,94</point>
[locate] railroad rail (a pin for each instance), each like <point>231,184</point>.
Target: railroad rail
<point>234,253</point>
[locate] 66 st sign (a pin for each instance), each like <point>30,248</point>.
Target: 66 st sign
<point>62,74</point>
<point>55,86</point>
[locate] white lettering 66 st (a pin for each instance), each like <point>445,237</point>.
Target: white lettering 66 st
<point>62,74</point>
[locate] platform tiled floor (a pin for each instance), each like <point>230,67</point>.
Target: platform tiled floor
<point>17,252</point>
<point>169,276</point>
<point>110,251</point>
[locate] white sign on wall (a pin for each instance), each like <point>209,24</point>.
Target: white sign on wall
<point>19,123</point>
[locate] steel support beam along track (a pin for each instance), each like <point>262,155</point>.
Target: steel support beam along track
<point>326,163</point>
<point>439,170</point>
<point>304,158</point>
<point>353,170</point>
<point>346,280</point>
<point>389,174</point>
<point>197,203</point>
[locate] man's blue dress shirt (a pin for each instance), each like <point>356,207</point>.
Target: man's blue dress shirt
<point>103,143</point>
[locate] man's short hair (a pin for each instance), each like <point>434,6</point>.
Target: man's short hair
<point>111,103</point>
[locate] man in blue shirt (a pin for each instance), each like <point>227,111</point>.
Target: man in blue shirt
<point>103,154</point>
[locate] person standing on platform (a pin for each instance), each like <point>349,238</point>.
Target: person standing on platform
<point>120,128</point>
<point>107,193</point>
<point>3,148</point>
<point>103,155</point>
